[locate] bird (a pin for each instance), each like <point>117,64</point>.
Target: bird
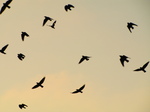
<point>3,49</point>
<point>123,58</point>
<point>46,19</point>
<point>21,56</point>
<point>142,68</point>
<point>5,5</point>
<point>39,84</point>
<point>79,90</point>
<point>53,25</point>
<point>22,106</point>
<point>23,34</point>
<point>84,58</point>
<point>68,7</point>
<point>130,26</point>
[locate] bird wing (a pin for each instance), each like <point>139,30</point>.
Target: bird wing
<point>24,105</point>
<point>139,69</point>
<point>26,34</point>
<point>20,106</point>
<point>133,24</point>
<point>81,88</point>
<point>42,80</point>
<point>22,36</point>
<point>4,48</point>
<point>8,2</point>
<point>145,65</point>
<point>87,56</point>
<point>122,61</point>
<point>37,85</point>
<point>2,9</point>
<point>54,23</point>
<point>81,60</point>
<point>19,56</point>
<point>69,5</point>
<point>66,7</point>
<point>75,92</point>
<point>44,21</point>
<point>129,29</point>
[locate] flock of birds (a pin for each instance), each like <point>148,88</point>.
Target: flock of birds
<point>123,58</point>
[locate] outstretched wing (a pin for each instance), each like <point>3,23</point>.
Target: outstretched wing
<point>24,105</point>
<point>26,34</point>
<point>75,91</point>
<point>81,88</point>
<point>22,36</point>
<point>69,5</point>
<point>44,21</point>
<point>122,61</point>
<point>54,23</point>
<point>20,106</point>
<point>87,57</point>
<point>35,86</point>
<point>129,28</point>
<point>42,80</point>
<point>4,48</point>
<point>8,2</point>
<point>139,69</point>
<point>81,60</point>
<point>66,7</point>
<point>2,9</point>
<point>145,65</point>
<point>133,24</point>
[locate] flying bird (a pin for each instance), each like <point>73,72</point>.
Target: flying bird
<point>123,58</point>
<point>142,68</point>
<point>68,7</point>
<point>79,90</point>
<point>39,84</point>
<point>5,5</point>
<point>84,58</point>
<point>53,25</point>
<point>130,26</point>
<point>46,19</point>
<point>22,106</point>
<point>21,56</point>
<point>3,49</point>
<point>23,34</point>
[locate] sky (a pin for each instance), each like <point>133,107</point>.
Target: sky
<point>96,28</point>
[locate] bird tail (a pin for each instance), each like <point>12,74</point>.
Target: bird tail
<point>3,52</point>
<point>81,92</point>
<point>41,86</point>
<point>144,70</point>
<point>8,7</point>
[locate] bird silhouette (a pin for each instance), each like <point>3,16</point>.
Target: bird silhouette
<point>39,84</point>
<point>23,34</point>
<point>5,5</point>
<point>3,49</point>
<point>142,68</point>
<point>46,19</point>
<point>79,90</point>
<point>84,58</point>
<point>53,25</point>
<point>123,58</point>
<point>22,106</point>
<point>130,26</point>
<point>21,56</point>
<point>68,7</point>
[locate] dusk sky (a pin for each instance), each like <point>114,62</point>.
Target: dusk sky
<point>96,28</point>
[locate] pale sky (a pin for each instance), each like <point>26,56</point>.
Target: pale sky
<point>96,28</point>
